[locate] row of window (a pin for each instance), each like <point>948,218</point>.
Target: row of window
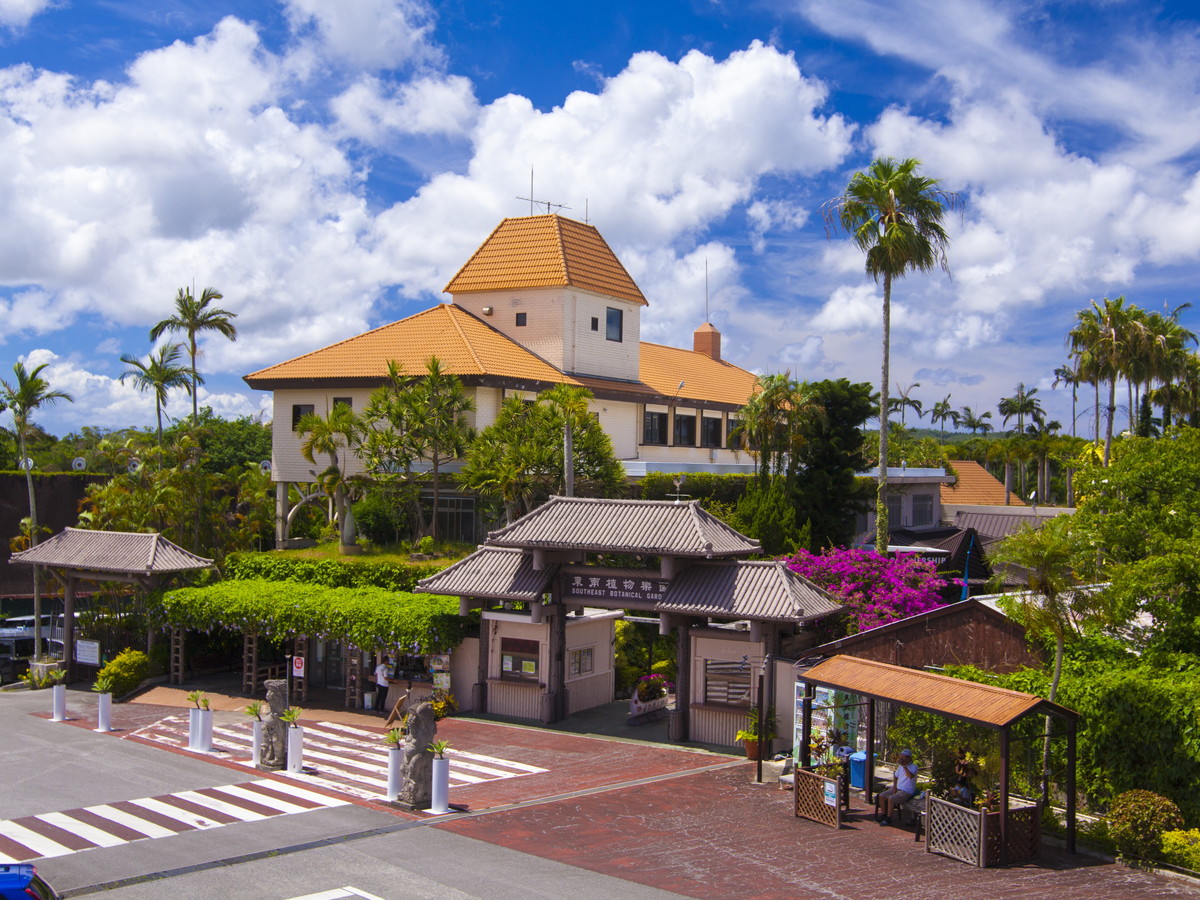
<point>300,410</point>
<point>614,323</point>
<point>654,430</point>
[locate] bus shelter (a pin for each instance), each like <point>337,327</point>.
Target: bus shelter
<point>993,708</point>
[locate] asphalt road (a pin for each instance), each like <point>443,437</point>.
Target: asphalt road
<point>52,767</point>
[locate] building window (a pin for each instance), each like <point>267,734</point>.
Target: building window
<point>734,438</point>
<point>579,662</point>
<point>685,430</point>
<point>347,402</point>
<point>615,321</point>
<point>726,683</point>
<point>710,432</point>
<point>595,323</point>
<point>922,512</point>
<point>894,508</point>
<point>521,319</point>
<point>654,428</point>
<point>299,411</point>
<point>519,659</point>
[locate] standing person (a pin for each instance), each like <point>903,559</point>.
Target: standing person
<point>904,785</point>
<point>383,681</point>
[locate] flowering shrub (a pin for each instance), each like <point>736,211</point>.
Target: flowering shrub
<point>651,687</point>
<point>875,589</point>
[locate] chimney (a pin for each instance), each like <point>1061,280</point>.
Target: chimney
<point>707,340</point>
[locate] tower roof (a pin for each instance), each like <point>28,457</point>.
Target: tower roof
<point>545,251</point>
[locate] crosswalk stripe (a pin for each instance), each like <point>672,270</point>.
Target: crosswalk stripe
<point>42,846</point>
<point>147,829</point>
<point>297,791</point>
<point>187,817</point>
<point>281,806</point>
<point>245,815</point>
<point>97,836</point>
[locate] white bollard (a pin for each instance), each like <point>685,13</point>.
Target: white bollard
<point>394,770</point>
<point>104,713</point>
<point>295,749</point>
<point>200,730</point>
<point>441,785</point>
<point>58,695</point>
<point>257,744</point>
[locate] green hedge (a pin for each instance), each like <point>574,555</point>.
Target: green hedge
<point>703,486</point>
<point>367,617</point>
<point>126,671</point>
<point>327,572</point>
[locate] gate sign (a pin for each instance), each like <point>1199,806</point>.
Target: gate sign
<point>297,666</point>
<point>87,653</point>
<point>637,586</point>
<point>830,793</point>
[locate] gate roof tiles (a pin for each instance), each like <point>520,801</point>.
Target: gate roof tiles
<point>766,590</point>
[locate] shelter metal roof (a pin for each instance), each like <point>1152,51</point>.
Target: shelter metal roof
<point>766,590</point>
<point>647,527</point>
<point>117,552</point>
<point>501,573</point>
<point>999,523</point>
<point>969,701</point>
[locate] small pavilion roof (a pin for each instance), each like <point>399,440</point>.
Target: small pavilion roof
<point>747,589</point>
<point>116,552</point>
<point>648,527</point>
<point>500,573</point>
<point>967,701</point>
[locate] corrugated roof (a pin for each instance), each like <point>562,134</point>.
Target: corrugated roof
<point>111,551</point>
<point>652,527</point>
<point>976,486</point>
<point>747,589</point>
<point>545,251</point>
<point>999,524</point>
<point>501,573</point>
<point>969,701</point>
<point>704,379</point>
<point>464,344</point>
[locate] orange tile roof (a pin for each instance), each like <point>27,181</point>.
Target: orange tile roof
<point>464,344</point>
<point>704,379</point>
<point>545,251</point>
<point>976,487</point>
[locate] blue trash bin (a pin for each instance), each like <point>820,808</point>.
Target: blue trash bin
<point>858,770</point>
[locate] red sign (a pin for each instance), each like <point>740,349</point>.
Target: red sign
<point>297,666</point>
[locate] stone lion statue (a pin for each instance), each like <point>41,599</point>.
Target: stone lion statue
<point>274,749</point>
<point>416,789</point>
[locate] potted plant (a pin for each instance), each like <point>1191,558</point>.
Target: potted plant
<point>199,723</point>
<point>254,710</point>
<point>441,778</point>
<point>394,740</point>
<point>650,693</point>
<point>757,732</point>
<point>295,738</point>
<point>103,686</point>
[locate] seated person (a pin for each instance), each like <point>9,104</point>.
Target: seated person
<point>904,785</point>
<point>961,793</point>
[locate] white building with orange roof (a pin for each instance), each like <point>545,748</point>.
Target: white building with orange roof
<point>543,301</point>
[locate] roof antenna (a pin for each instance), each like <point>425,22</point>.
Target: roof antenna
<point>706,318</point>
<point>532,201</point>
<point>586,215</point>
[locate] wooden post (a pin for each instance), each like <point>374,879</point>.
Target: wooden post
<point>177,648</point>
<point>870,773</point>
<point>1004,749</point>
<point>806,726</point>
<point>762,728</point>
<point>69,626</point>
<point>481,670</point>
<point>1070,785</point>
<point>681,720</point>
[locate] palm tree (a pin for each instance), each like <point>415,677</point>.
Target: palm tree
<point>23,396</point>
<point>1068,375</point>
<point>1101,341</point>
<point>329,435</point>
<point>942,412</point>
<point>895,217</point>
<point>903,401</point>
<point>1020,405</point>
<point>161,373</point>
<point>192,317</point>
<point>438,404</point>
<point>976,423</point>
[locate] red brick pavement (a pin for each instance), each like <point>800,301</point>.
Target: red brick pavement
<point>717,835</point>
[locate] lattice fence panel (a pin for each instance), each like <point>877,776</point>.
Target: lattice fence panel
<point>953,831</point>
<point>1024,835</point>
<point>810,793</point>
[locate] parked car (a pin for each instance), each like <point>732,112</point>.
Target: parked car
<point>21,880</point>
<point>16,649</point>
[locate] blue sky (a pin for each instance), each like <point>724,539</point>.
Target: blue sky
<point>328,166</point>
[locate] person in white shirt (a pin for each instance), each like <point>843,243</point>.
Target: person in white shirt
<point>383,681</point>
<point>904,785</point>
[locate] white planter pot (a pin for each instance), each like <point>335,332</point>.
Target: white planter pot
<point>58,703</point>
<point>295,749</point>
<point>256,743</point>
<point>104,713</point>
<point>441,786</point>
<point>395,765</point>
<point>200,730</point>
<point>638,707</point>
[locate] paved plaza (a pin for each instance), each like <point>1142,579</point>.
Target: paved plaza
<point>545,808</point>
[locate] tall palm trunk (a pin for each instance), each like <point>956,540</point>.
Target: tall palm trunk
<point>1112,412</point>
<point>881,513</point>
<point>33,539</point>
